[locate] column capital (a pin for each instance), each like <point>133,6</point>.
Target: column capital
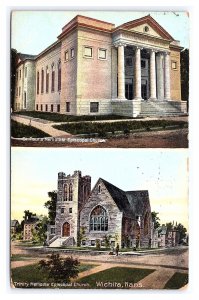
<point>119,44</point>
<point>138,47</point>
<point>166,53</point>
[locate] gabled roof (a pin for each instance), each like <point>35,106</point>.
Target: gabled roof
<point>118,196</point>
<point>146,20</point>
<point>132,203</point>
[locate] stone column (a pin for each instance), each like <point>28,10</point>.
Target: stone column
<point>167,92</point>
<point>152,76</point>
<point>121,72</point>
<point>160,76</point>
<point>137,73</point>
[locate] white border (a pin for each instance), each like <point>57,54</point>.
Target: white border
<point>5,7</point>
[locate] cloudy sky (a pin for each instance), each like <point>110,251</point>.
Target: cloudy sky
<point>162,172</point>
<point>33,31</point>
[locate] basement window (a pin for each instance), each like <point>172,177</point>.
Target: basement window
<point>94,107</point>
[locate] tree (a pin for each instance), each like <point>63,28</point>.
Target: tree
<point>184,62</point>
<point>107,239</point>
<point>28,215</point>
<point>80,236</point>
<point>51,206</point>
<point>155,219</point>
<point>39,232</point>
<point>60,269</point>
<point>182,230</point>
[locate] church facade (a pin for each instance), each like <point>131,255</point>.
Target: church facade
<point>90,218</point>
<point>96,68</point>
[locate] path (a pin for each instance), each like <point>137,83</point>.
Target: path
<point>41,125</point>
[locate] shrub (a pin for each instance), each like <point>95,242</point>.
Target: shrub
<point>60,269</point>
<point>98,246</point>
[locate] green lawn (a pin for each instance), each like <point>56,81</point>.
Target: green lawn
<point>18,257</point>
<point>19,130</point>
<point>54,117</point>
<point>32,273</point>
<point>124,126</point>
<point>177,281</point>
<point>124,277</point>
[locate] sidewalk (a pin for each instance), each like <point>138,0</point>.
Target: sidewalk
<point>41,125</point>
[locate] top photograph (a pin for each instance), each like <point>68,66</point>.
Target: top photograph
<point>99,79</point>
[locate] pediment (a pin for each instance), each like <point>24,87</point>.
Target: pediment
<point>148,26</point>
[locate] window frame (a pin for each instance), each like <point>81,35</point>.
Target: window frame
<point>102,49</point>
<point>86,56</point>
<point>92,109</point>
<point>72,50</point>
<point>66,53</point>
<point>176,65</point>
<point>68,106</point>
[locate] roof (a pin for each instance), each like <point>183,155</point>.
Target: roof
<point>132,203</point>
<point>14,223</point>
<point>150,21</point>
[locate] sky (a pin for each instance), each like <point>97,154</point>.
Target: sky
<point>162,172</point>
<point>33,31</point>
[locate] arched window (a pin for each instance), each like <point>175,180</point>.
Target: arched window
<point>98,219</point>
<point>65,192</point>
<point>53,78</point>
<point>38,83</point>
<point>42,81</point>
<point>70,192</point>
<point>59,76</point>
<point>47,80</point>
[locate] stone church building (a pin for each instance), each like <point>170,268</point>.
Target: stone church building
<point>96,68</point>
<point>106,212</point>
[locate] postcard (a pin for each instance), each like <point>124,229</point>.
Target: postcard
<point>99,150</point>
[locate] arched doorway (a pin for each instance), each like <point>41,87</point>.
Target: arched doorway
<point>66,229</point>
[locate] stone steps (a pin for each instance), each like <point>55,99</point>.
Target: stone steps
<point>163,108</point>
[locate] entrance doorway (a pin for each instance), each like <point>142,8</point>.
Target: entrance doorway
<point>129,89</point>
<point>66,229</point>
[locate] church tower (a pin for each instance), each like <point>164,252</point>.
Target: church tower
<point>72,192</point>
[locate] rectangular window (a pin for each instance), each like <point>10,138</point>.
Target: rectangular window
<point>143,64</point>
<point>83,243</point>
<point>51,108</point>
<point>52,230</point>
<point>41,107</point>
<point>19,74</point>
<point>46,107</point>
<point>19,91</point>
<point>72,52</point>
<point>174,65</point>
<point>67,106</point>
<point>59,77</point>
<point>66,55</point>
<point>37,107</point>
<point>42,81</point>
<point>25,72</point>
<point>88,51</point>
<point>94,107</point>
<point>70,210</point>
<point>58,107</point>
<point>102,53</point>
<point>62,210</point>
<point>92,242</point>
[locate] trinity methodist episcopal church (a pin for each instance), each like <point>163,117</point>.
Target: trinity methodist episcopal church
<point>106,212</point>
<point>97,68</point>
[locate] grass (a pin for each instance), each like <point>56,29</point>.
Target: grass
<point>32,274</point>
<point>19,257</point>
<point>119,275</point>
<point>177,281</point>
<point>125,126</point>
<point>19,130</point>
<point>55,117</point>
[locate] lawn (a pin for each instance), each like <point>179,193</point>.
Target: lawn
<point>19,257</point>
<point>123,126</point>
<point>177,281</point>
<point>54,117</point>
<point>19,130</point>
<point>117,277</point>
<point>32,274</point>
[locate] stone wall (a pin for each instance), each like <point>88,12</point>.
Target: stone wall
<point>29,85</point>
<point>128,108</point>
<point>114,216</point>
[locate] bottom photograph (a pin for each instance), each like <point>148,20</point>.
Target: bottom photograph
<point>99,218</point>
